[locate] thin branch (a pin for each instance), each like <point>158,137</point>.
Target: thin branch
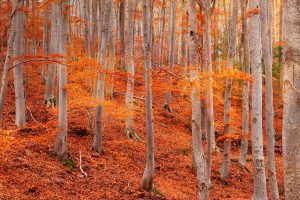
<point>80,166</point>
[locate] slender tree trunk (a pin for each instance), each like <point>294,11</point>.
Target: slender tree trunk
<point>6,72</point>
<point>87,45</point>
<point>129,61</point>
<point>162,22</point>
<point>54,49</point>
<point>246,85</point>
<point>267,59</point>
<point>198,153</point>
<point>291,108</point>
<point>61,142</point>
<point>95,4</point>
<point>122,34</point>
<point>18,26</point>
<point>97,145</point>
<point>259,189</point>
<point>112,55</point>
<point>147,179</point>
<point>172,25</point>
<point>184,47</point>
<point>227,99</point>
<point>45,43</point>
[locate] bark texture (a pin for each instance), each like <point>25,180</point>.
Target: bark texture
<point>291,108</point>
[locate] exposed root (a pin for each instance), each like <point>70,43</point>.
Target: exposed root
<point>132,135</point>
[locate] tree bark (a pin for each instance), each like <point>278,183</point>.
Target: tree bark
<point>227,99</point>
<point>129,61</point>
<point>259,189</point>
<point>18,26</point>
<point>172,25</point>
<point>148,175</point>
<point>6,72</point>
<point>291,108</point>
<point>198,153</point>
<point>266,23</point>
<point>61,142</point>
<point>246,85</point>
<point>97,145</point>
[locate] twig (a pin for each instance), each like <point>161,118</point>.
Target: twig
<point>80,167</point>
<point>33,117</point>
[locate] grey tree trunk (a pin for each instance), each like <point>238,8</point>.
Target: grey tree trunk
<point>184,47</point>
<point>162,21</point>
<point>147,179</point>
<point>87,45</point>
<point>54,49</point>
<point>259,189</point>
<point>97,145</point>
<point>207,7</point>
<point>45,43</point>
<point>122,34</point>
<point>5,73</point>
<point>227,99</point>
<point>198,153</point>
<point>291,108</point>
<point>266,23</point>
<point>246,85</point>
<point>172,25</point>
<point>129,62</point>
<point>18,26</point>
<point>95,4</point>
<point>60,148</point>
<point>112,54</point>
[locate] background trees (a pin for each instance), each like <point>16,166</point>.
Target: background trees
<point>110,64</point>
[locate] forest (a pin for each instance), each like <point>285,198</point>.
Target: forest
<point>150,99</point>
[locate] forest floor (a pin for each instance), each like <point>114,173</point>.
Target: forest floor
<point>28,169</point>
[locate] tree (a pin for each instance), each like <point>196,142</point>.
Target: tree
<point>61,142</point>
<point>228,88</point>
<point>147,179</point>
<point>129,62</point>
<point>291,108</point>
<point>259,189</point>
<point>266,23</point>
<point>246,85</point>
<point>6,72</point>
<point>198,153</point>
<point>18,26</point>
<point>172,25</point>
<point>54,49</point>
<point>97,145</point>
<point>86,11</point>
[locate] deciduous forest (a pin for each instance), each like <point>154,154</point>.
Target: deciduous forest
<point>150,99</point>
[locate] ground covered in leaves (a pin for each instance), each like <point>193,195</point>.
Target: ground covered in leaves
<point>28,169</point>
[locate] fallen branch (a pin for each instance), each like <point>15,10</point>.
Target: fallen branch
<point>80,167</point>
<point>33,117</point>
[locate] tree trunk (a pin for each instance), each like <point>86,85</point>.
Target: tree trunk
<point>266,23</point>
<point>246,85</point>
<point>18,26</point>
<point>259,189</point>
<point>54,49</point>
<point>147,179</point>
<point>95,4</point>
<point>129,61</point>
<point>45,43</point>
<point>198,153</point>
<point>291,108</point>
<point>61,142</point>
<point>162,20</point>
<point>227,99</point>
<point>122,34</point>
<point>172,25</point>
<point>97,145</point>
<point>6,72</point>
<point>86,28</point>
